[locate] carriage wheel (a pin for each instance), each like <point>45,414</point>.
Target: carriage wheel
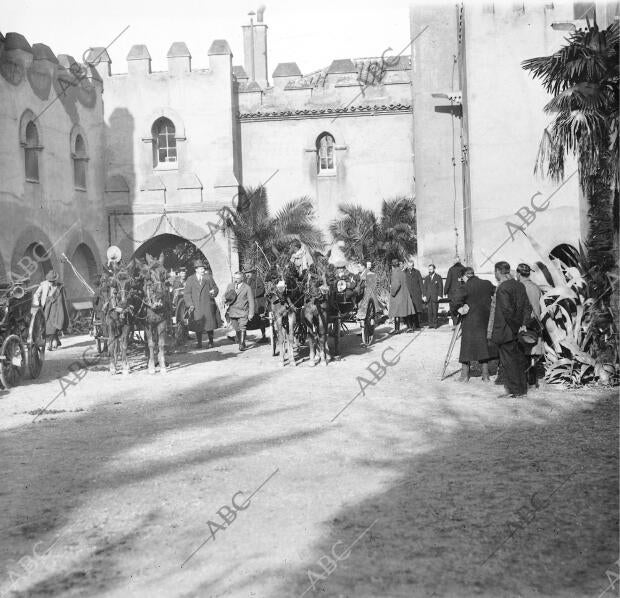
<point>368,325</point>
<point>337,335</point>
<point>12,361</point>
<point>180,329</point>
<point>272,335</point>
<point>36,344</point>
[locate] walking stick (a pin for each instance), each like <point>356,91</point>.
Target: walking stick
<point>455,336</point>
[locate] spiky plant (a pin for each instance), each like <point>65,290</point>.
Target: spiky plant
<point>578,330</point>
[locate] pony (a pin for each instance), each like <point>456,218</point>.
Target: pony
<point>284,319</point>
<point>156,300</point>
<point>118,315</point>
<point>315,310</point>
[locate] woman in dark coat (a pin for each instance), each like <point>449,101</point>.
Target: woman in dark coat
<point>401,305</point>
<point>199,295</point>
<point>476,294</point>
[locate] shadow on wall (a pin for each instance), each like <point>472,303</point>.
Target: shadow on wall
<point>120,181</point>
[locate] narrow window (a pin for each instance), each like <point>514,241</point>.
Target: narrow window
<point>31,152</point>
<point>164,142</point>
<point>80,161</point>
<point>325,153</point>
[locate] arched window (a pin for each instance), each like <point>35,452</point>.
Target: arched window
<point>80,162</point>
<point>325,153</point>
<point>31,152</point>
<point>164,142</point>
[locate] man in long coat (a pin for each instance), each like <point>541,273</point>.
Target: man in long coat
<point>453,283</point>
<point>533,294</point>
<point>50,296</point>
<point>199,295</point>
<point>260,302</point>
<point>512,308</point>
<point>241,307</point>
<point>476,294</point>
<point>401,305</point>
<point>414,286</point>
<point>433,291</point>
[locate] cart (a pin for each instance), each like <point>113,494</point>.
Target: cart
<point>22,336</point>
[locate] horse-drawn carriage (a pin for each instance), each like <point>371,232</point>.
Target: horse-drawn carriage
<point>318,305</point>
<point>22,335</point>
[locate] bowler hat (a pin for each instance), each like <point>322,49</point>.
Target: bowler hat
<point>51,276</point>
<point>230,296</point>
<point>198,263</point>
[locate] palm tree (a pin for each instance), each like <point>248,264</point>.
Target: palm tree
<point>261,237</point>
<point>358,229</point>
<point>380,240</point>
<point>398,228</point>
<point>583,78</point>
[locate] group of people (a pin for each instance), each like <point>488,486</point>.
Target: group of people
<point>410,293</point>
<point>244,298</point>
<point>500,322</point>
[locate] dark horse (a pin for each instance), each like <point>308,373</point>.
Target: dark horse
<point>156,300</point>
<point>118,314</point>
<point>315,310</point>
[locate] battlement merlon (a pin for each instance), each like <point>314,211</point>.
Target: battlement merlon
<point>99,59</point>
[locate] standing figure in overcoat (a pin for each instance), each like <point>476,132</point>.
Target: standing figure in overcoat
<point>512,308</point>
<point>453,283</point>
<point>199,295</point>
<point>476,294</point>
<point>414,286</point>
<point>433,291</point>
<point>533,294</point>
<point>401,305</point>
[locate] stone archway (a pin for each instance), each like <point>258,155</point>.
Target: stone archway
<point>33,256</point>
<point>85,263</point>
<point>178,251</point>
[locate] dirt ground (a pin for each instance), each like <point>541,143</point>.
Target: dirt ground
<point>418,488</point>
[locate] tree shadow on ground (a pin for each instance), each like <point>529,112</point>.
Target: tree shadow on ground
<point>35,464</point>
<point>531,511</point>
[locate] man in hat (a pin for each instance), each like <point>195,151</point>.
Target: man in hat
<point>433,291</point>
<point>533,294</point>
<point>401,305</point>
<point>414,286</point>
<point>512,308</point>
<point>473,302</point>
<point>199,295</point>
<point>258,289</point>
<point>50,296</point>
<point>240,299</point>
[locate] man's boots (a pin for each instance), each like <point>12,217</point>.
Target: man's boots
<point>485,372</point>
<point>464,377</point>
<point>242,340</point>
<point>199,340</point>
<point>210,335</point>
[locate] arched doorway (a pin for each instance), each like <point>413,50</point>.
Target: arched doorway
<point>177,251</point>
<point>566,253</point>
<point>39,255</point>
<point>84,262</point>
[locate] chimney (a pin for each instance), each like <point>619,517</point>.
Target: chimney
<point>255,48</point>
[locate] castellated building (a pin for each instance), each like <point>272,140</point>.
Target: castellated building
<point>90,158</point>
